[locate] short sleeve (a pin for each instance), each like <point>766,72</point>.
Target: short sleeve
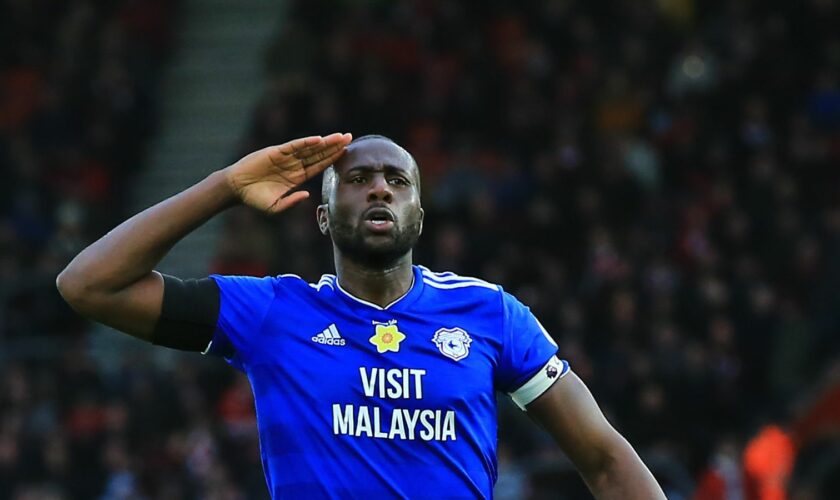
<point>529,363</point>
<point>243,305</point>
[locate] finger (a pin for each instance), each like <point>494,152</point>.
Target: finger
<point>317,156</point>
<point>286,202</point>
<point>293,150</point>
<point>318,167</point>
<point>292,147</point>
<point>338,138</point>
<point>310,150</point>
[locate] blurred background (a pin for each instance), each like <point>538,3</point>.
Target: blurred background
<point>658,179</point>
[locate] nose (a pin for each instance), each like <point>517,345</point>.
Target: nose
<point>380,190</point>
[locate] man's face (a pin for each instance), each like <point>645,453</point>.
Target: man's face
<point>374,214</point>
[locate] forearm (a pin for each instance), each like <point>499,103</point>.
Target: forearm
<point>132,250</point>
<point>622,475</point>
<point>606,461</point>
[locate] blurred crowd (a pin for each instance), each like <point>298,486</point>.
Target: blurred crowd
<point>77,87</point>
<point>658,180</point>
<point>78,84</point>
<point>70,430</point>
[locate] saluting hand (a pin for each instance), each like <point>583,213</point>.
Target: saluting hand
<point>264,178</point>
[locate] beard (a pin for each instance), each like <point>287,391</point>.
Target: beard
<point>352,242</point>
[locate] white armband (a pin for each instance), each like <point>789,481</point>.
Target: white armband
<point>551,372</point>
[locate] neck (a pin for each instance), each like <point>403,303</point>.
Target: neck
<point>380,286</point>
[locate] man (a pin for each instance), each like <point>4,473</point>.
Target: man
<point>377,382</point>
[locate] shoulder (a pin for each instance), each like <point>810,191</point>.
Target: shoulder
<point>456,290</point>
<point>451,281</point>
<point>272,285</point>
<point>452,286</point>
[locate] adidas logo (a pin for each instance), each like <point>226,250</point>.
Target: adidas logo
<point>329,336</point>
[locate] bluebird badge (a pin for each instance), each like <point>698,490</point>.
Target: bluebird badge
<point>454,343</point>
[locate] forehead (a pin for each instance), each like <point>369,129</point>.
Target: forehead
<point>376,153</point>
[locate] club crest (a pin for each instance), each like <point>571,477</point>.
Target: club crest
<point>453,343</point>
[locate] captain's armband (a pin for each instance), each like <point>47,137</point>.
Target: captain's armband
<point>551,372</point>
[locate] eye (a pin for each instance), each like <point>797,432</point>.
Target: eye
<point>357,179</point>
<point>399,181</point>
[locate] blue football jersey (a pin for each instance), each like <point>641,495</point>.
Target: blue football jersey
<point>354,400</point>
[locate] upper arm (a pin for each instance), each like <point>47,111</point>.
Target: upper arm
<point>134,309</point>
<point>244,303</point>
<point>526,348</point>
<point>570,414</point>
<point>164,310</point>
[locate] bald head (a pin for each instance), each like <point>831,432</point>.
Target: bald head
<point>369,150</point>
<point>371,207</point>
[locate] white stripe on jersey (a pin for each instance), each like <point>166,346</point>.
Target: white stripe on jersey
<point>326,280</point>
<point>461,284</point>
<point>445,276</point>
<point>449,277</point>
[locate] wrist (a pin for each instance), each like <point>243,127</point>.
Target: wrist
<point>221,186</point>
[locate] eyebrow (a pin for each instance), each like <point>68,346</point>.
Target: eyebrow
<point>389,169</point>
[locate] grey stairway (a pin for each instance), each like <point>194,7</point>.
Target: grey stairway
<point>208,95</point>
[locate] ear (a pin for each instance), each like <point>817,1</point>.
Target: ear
<point>422,215</point>
<point>322,215</point>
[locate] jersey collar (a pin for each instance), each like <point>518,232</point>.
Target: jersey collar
<point>407,298</point>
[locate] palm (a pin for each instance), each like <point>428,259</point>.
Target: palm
<point>264,178</point>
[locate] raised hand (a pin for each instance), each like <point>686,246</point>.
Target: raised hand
<point>264,178</point>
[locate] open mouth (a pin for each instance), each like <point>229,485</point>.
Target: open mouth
<point>379,219</point>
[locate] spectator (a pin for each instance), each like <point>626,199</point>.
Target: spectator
<point>658,182</point>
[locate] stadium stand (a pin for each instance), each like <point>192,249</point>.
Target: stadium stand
<point>78,84</point>
<point>657,180</point>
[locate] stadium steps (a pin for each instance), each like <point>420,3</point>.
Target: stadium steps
<point>208,95</point>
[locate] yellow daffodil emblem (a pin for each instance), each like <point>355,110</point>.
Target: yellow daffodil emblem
<point>387,338</point>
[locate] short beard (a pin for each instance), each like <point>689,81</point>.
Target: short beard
<point>351,243</point>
